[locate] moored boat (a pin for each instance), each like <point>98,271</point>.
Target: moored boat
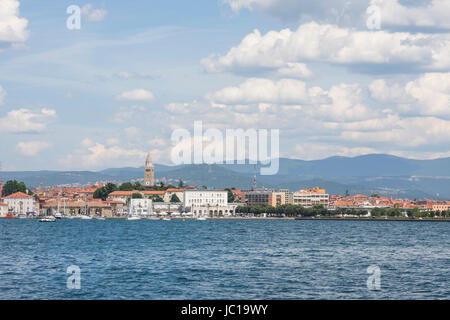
<point>47,219</point>
<point>131,218</point>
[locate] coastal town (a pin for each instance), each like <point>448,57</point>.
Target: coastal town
<point>135,201</point>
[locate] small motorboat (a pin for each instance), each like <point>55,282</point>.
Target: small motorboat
<point>58,215</point>
<point>99,218</point>
<point>85,217</point>
<point>167,219</point>
<point>202,218</point>
<point>47,219</point>
<point>132,218</point>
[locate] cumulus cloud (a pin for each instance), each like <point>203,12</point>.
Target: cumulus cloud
<point>137,95</point>
<point>99,155</point>
<point>335,45</point>
<point>342,102</point>
<point>293,70</point>
<point>409,132</point>
<point>427,95</point>
<point>27,121</point>
<point>432,14</point>
<point>92,14</point>
<point>340,120</point>
<point>13,28</point>
<point>32,148</point>
<point>336,11</point>
<point>258,90</point>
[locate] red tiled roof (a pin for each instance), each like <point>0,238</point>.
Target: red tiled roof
<point>3,204</point>
<point>18,195</point>
<point>174,190</point>
<point>123,193</point>
<point>153,192</point>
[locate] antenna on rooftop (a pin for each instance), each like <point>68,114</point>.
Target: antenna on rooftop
<point>254,177</point>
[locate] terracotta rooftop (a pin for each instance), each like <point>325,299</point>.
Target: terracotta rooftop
<point>18,195</point>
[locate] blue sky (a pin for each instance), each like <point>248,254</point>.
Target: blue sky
<point>104,95</point>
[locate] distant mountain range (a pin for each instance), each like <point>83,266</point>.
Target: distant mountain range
<point>382,174</point>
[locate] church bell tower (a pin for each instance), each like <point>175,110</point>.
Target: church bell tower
<point>149,172</point>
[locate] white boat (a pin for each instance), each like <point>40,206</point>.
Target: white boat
<point>166,219</point>
<point>47,219</point>
<point>58,215</point>
<point>86,217</point>
<point>99,218</point>
<point>202,218</point>
<point>131,218</point>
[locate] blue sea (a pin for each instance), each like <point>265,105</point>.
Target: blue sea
<point>222,259</point>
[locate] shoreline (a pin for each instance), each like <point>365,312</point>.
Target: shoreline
<point>271,219</point>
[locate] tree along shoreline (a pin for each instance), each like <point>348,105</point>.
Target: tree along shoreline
<point>294,211</point>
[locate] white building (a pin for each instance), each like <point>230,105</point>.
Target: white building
<point>20,203</point>
<point>208,203</point>
<point>3,209</point>
<point>140,207</point>
<point>311,197</point>
<point>205,197</point>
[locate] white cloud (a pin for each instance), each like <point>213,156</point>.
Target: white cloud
<point>259,90</point>
<point>32,148</point>
<point>394,13</point>
<point>407,132</point>
<point>336,11</point>
<point>432,14</point>
<point>293,70</point>
<point>342,102</point>
<point>2,95</point>
<point>87,143</point>
<point>331,44</point>
<point>13,28</point>
<point>92,14</point>
<point>27,121</point>
<point>99,155</point>
<point>337,121</point>
<point>137,95</point>
<point>427,95</point>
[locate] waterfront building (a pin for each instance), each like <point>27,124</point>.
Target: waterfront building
<point>20,203</point>
<point>311,197</point>
<point>3,209</point>
<point>170,192</point>
<point>263,197</point>
<point>208,203</point>
<point>205,197</point>
<point>122,196</point>
<point>238,196</point>
<point>140,207</point>
<point>440,206</point>
<point>289,196</point>
<point>149,172</point>
<point>159,207</point>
